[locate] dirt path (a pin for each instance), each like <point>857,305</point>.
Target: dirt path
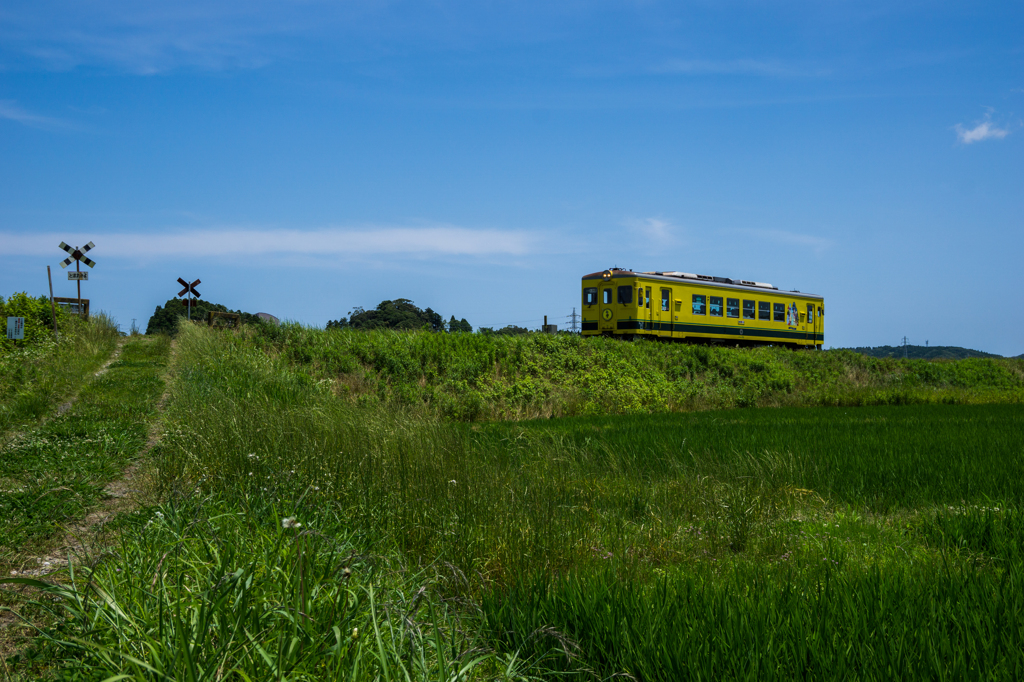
<point>88,538</point>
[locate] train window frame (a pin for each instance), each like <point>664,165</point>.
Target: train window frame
<point>666,300</point>
<point>607,295</point>
<point>779,310</point>
<point>764,310</point>
<point>810,313</point>
<point>716,306</point>
<point>647,297</point>
<point>750,307</point>
<point>589,295</point>
<point>732,307</point>
<point>625,295</point>
<point>701,301</point>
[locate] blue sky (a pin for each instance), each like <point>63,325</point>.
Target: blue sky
<point>304,157</point>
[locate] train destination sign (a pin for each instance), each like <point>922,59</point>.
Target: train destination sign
<point>72,276</point>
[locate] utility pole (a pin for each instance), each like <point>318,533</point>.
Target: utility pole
<point>573,324</point>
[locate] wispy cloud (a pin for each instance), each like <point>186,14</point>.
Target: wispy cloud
<point>656,230</point>
<point>754,67</point>
<point>11,111</point>
<point>148,38</point>
<point>983,130</point>
<point>817,244</point>
<point>349,242</point>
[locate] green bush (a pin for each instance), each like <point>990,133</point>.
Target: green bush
<point>38,318</point>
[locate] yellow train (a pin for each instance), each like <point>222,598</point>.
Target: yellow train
<point>700,308</point>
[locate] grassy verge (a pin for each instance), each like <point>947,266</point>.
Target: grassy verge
<point>35,377</point>
<point>469,377</point>
<point>866,543</point>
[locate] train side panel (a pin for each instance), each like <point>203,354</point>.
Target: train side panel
<point>631,304</point>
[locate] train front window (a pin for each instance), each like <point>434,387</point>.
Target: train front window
<point>780,312</point>
<point>626,295</point>
<point>764,310</point>
<point>716,306</point>
<point>732,307</point>
<point>665,296</point>
<point>607,294</point>
<point>698,304</point>
<point>748,310</point>
<point>590,296</point>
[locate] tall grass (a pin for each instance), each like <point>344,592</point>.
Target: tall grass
<point>659,489</point>
<point>204,591</point>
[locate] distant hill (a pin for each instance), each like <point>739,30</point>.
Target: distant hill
<point>923,352</point>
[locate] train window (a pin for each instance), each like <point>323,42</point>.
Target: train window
<point>780,312</point>
<point>698,304</point>
<point>748,310</point>
<point>732,307</point>
<point>810,313</point>
<point>716,306</point>
<point>666,294</point>
<point>590,296</point>
<point>764,310</point>
<point>607,296</point>
<point>626,295</point>
<point>648,304</point>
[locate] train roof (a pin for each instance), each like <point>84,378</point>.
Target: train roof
<point>723,282</point>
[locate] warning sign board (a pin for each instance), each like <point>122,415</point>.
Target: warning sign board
<point>16,328</point>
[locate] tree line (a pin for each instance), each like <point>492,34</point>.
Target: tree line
<point>400,313</point>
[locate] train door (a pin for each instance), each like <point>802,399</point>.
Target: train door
<point>809,326</point>
<point>665,313</point>
<point>648,312</point>
<point>813,323</point>
<point>606,320</point>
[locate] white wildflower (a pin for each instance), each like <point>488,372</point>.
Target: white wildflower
<point>290,522</point>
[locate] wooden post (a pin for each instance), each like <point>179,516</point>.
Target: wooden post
<point>53,308</point>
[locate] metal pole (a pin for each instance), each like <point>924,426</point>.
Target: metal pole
<point>78,267</point>
<point>53,308</point>
<point>189,304</point>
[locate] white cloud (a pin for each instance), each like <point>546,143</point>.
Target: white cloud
<point>362,241</point>
<point>10,110</point>
<point>657,230</point>
<point>984,130</point>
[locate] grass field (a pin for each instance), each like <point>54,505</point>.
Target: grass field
<point>310,535</point>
